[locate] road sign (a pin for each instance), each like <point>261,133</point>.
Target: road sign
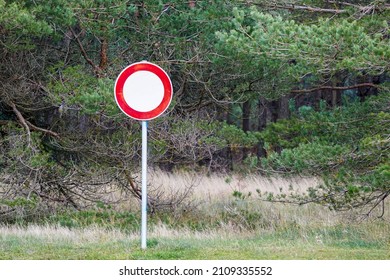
<point>143,91</point>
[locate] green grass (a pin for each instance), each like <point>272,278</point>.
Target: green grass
<point>369,241</point>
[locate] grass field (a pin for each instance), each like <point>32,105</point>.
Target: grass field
<point>216,226</point>
<point>39,242</point>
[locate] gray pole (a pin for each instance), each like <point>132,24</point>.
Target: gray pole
<point>144,188</point>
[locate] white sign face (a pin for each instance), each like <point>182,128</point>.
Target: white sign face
<point>143,91</point>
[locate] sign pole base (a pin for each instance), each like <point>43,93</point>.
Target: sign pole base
<point>144,186</point>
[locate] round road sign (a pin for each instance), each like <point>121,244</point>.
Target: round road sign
<point>143,91</point>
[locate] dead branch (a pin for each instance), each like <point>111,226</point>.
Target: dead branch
<point>334,88</point>
<point>29,126</point>
<point>5,122</point>
<point>83,52</point>
<point>68,198</point>
<point>311,9</point>
<point>21,120</point>
<point>103,54</point>
<point>362,9</point>
<point>134,189</point>
<point>340,3</point>
<point>381,199</point>
<point>46,131</point>
<point>297,7</point>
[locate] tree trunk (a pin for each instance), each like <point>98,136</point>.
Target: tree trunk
<point>261,124</point>
<point>283,111</point>
<point>246,111</point>
<point>273,107</point>
<point>336,94</point>
<point>228,150</point>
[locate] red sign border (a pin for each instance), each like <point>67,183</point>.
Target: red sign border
<point>126,73</point>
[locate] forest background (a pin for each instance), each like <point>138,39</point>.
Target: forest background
<point>265,88</point>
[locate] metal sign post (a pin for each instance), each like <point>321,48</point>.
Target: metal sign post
<point>144,203</point>
<point>143,91</point>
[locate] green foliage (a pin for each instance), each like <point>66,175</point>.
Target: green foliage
<point>287,133</point>
<point>21,202</point>
<point>353,124</point>
<point>224,135</point>
<point>236,136</point>
<point>310,157</point>
<point>20,20</point>
<point>78,89</point>
<point>21,25</point>
<point>105,218</point>
<point>321,49</point>
<point>349,144</point>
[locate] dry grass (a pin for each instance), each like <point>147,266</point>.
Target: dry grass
<point>52,233</point>
<point>211,193</point>
<point>94,234</point>
<point>217,186</point>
